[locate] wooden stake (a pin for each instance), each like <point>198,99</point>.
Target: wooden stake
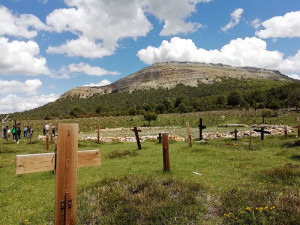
<point>98,133</point>
<point>66,174</point>
<point>47,142</point>
<point>50,133</point>
<point>188,131</point>
<point>250,139</point>
<point>285,131</point>
<point>136,132</point>
<point>165,147</point>
<point>298,131</point>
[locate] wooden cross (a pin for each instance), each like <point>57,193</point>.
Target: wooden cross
<point>137,137</point>
<point>262,132</point>
<point>68,160</point>
<point>165,147</point>
<point>235,132</point>
<point>159,138</point>
<point>201,127</point>
<point>188,131</point>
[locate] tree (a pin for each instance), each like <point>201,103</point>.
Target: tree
<point>234,98</point>
<point>182,108</point>
<point>274,105</point>
<point>148,116</point>
<point>160,108</point>
<point>132,112</point>
<point>77,111</point>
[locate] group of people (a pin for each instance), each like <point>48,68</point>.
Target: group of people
<point>15,132</point>
<point>46,130</point>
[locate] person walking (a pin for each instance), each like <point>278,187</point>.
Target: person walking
<point>13,131</point>
<point>18,133</point>
<point>25,131</point>
<point>4,132</point>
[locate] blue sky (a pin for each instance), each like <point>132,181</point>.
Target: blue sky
<point>49,47</point>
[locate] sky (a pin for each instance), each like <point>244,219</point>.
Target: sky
<point>48,47</point>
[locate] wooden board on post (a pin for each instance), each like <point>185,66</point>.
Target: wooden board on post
<point>66,174</point>
<point>188,131</point>
<point>166,155</point>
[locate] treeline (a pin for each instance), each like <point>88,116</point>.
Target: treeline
<point>227,93</point>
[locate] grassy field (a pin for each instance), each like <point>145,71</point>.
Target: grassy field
<point>238,184</point>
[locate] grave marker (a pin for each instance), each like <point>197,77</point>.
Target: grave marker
<point>285,131</point>
<point>159,137</point>
<point>188,131</point>
<point>137,137</point>
<point>235,132</point>
<point>165,147</point>
<point>68,160</point>
<point>262,132</point>
<point>201,127</point>
<point>98,133</point>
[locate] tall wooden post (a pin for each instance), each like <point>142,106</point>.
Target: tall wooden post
<point>159,138</point>
<point>50,133</point>
<point>285,132</point>
<point>98,133</point>
<point>165,147</point>
<point>66,174</point>
<point>235,135</point>
<point>298,131</point>
<point>188,131</point>
<point>47,142</point>
<point>136,132</point>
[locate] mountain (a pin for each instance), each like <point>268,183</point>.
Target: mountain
<point>169,74</point>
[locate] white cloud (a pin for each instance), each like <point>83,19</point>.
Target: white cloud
<point>287,26</point>
<point>13,103</point>
<point>100,24</point>
<point>25,25</point>
<point>235,19</point>
<point>239,52</point>
<point>90,70</point>
<point>100,84</point>
<point>29,87</point>
<point>81,47</point>
<point>256,23</point>
<point>20,57</point>
<point>295,76</point>
<point>174,14</point>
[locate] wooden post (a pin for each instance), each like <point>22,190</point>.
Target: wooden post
<point>47,142</point>
<point>66,174</point>
<point>250,140</point>
<point>98,133</point>
<point>136,132</point>
<point>298,131</point>
<point>159,138</point>
<point>235,135</point>
<point>165,147</point>
<point>201,127</point>
<point>285,131</point>
<point>262,132</point>
<point>188,131</point>
<point>50,133</point>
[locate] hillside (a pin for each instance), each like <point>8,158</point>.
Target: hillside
<point>169,74</point>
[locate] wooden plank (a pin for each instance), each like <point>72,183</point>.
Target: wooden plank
<point>45,162</point>
<point>35,163</point>
<point>66,173</point>
<point>89,158</point>
<point>166,156</point>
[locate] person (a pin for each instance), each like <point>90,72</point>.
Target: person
<point>13,131</point>
<point>4,132</point>
<point>18,133</point>
<point>44,130</point>
<point>8,132</point>
<point>25,131</point>
<point>53,131</point>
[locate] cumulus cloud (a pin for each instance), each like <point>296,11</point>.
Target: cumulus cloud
<point>239,52</point>
<point>25,25</point>
<point>21,57</point>
<point>29,87</point>
<point>235,19</point>
<point>100,84</point>
<point>81,47</point>
<point>13,103</point>
<point>100,24</point>
<point>90,70</point>
<point>287,26</point>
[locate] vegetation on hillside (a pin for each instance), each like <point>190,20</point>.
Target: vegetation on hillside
<point>226,94</point>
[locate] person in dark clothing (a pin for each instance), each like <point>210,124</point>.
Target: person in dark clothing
<point>18,132</point>
<point>4,132</point>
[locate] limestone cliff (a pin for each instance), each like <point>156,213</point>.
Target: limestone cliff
<point>169,74</point>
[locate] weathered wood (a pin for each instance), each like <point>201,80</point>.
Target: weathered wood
<point>298,131</point>
<point>136,132</point>
<point>166,155</point>
<point>201,127</point>
<point>46,161</point>
<point>50,133</point>
<point>285,131</point>
<point>188,131</point>
<point>235,132</point>
<point>66,173</point>
<point>159,137</point>
<point>98,133</point>
<point>47,142</point>
<point>262,132</point>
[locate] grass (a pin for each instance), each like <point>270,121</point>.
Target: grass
<point>238,185</point>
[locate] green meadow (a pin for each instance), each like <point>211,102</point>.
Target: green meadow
<point>220,181</point>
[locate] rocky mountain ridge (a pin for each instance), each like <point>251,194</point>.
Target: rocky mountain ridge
<point>169,74</point>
